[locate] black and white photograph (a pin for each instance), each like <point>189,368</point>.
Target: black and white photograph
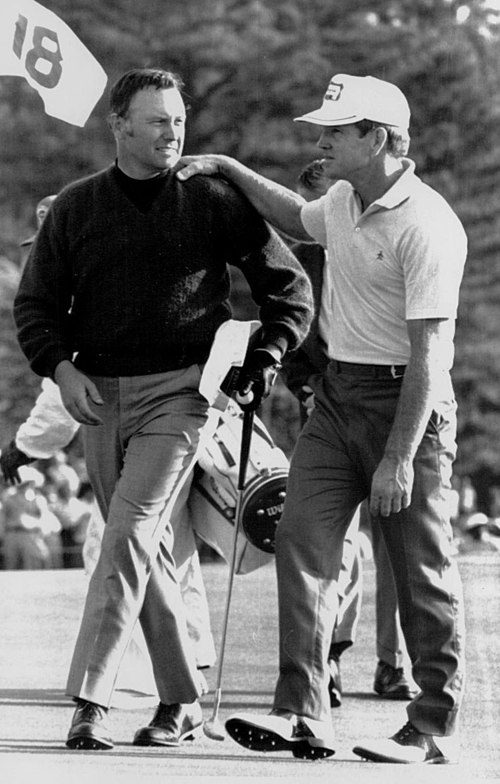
<point>250,391</point>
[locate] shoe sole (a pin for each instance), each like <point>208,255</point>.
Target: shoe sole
<point>88,743</point>
<point>372,756</point>
<point>142,738</point>
<point>259,739</point>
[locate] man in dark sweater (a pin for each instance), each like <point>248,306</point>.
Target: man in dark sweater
<point>125,287</point>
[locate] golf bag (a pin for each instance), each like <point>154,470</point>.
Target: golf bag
<point>212,500</point>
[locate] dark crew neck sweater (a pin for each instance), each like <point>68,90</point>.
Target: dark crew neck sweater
<point>141,193</point>
<point>132,277</point>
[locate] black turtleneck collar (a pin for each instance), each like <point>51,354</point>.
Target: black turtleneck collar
<point>141,193</point>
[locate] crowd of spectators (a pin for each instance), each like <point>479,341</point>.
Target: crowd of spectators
<point>44,518</point>
<point>472,528</point>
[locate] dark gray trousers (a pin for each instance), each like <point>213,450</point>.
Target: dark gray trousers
<point>330,474</point>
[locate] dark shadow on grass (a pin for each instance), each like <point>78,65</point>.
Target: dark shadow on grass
<point>127,750</point>
<point>260,701</point>
<point>52,697</point>
<point>368,696</point>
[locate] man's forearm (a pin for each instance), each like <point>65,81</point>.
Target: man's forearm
<point>392,482</point>
<point>278,205</point>
<point>418,393</point>
<point>421,388</point>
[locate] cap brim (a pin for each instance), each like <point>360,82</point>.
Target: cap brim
<point>321,118</point>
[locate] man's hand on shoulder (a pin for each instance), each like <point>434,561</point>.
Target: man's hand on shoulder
<point>77,392</point>
<point>209,165</point>
<point>278,205</point>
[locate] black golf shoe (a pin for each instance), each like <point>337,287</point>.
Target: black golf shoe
<point>88,728</point>
<point>171,725</point>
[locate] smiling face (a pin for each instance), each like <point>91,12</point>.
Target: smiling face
<point>346,154</point>
<point>150,136</point>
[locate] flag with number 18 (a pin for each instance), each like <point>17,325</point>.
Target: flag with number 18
<point>37,45</point>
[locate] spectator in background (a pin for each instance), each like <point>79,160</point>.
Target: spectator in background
<point>494,505</point>
<point>30,529</point>
<point>302,372</point>
<point>68,504</point>
<point>467,502</point>
<point>41,211</point>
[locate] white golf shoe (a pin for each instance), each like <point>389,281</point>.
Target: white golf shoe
<point>409,745</point>
<point>282,731</point>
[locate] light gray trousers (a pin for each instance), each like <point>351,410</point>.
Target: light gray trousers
<point>138,462</point>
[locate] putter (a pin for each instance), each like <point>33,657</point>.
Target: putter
<point>212,727</point>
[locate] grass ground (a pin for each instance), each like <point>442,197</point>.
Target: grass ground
<point>39,618</point>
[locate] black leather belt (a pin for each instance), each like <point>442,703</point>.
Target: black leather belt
<point>370,371</point>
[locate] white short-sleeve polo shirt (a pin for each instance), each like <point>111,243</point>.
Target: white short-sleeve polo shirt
<point>400,259</point>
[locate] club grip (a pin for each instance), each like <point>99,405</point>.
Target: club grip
<point>246,398</point>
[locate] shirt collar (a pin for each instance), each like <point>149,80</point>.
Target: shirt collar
<point>402,188</point>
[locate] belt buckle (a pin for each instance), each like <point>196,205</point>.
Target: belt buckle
<point>394,372</point>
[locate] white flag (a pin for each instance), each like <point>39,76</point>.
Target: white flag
<point>37,45</point>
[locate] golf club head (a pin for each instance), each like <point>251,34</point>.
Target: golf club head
<point>213,729</point>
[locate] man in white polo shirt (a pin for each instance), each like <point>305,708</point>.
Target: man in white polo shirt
<point>383,426</point>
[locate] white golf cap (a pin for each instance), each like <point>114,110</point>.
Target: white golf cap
<point>350,99</point>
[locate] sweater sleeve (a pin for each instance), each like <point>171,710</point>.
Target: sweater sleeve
<point>43,301</point>
<point>296,370</point>
<point>278,283</point>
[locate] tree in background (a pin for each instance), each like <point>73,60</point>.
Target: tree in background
<point>250,66</point>
<point>17,387</point>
